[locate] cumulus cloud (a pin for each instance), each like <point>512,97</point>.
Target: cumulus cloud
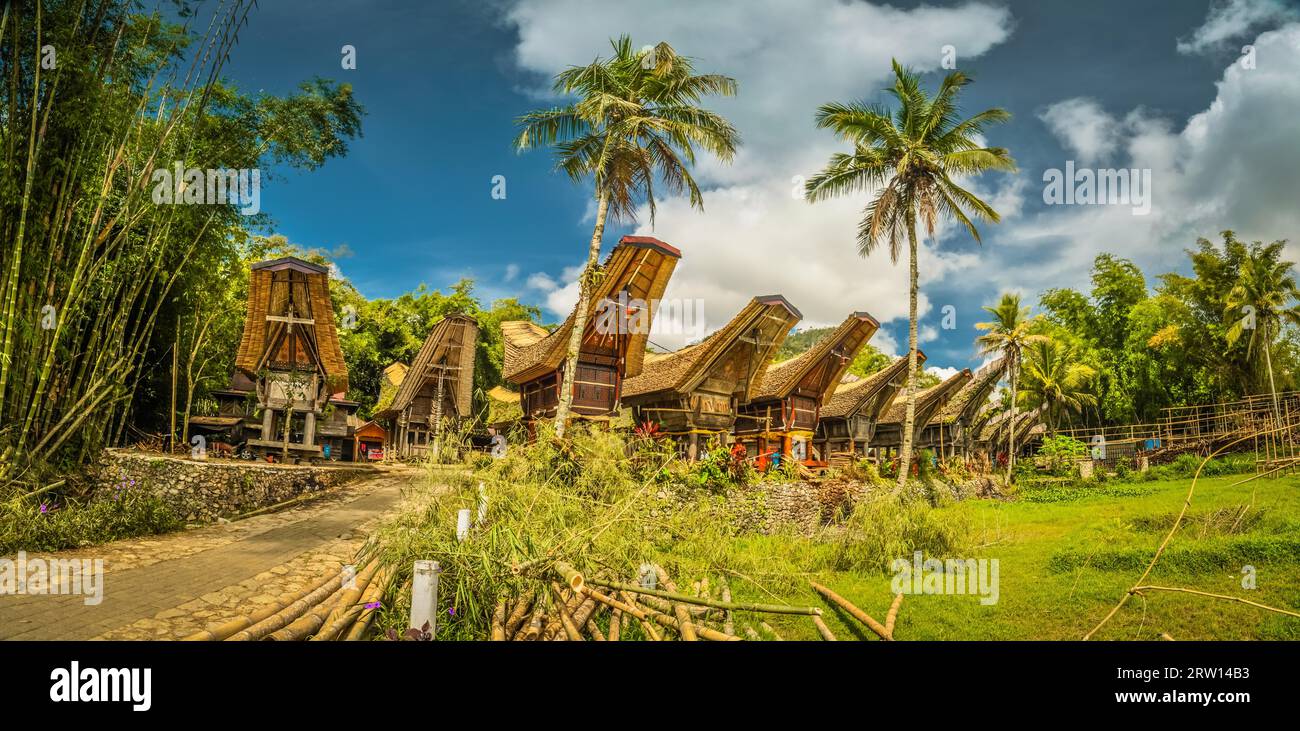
<point>1232,19</point>
<point>1083,127</point>
<point>1228,166</point>
<point>756,231</point>
<point>942,373</point>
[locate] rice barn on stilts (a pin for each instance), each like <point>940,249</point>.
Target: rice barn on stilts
<point>780,420</point>
<point>847,426</point>
<point>696,391</point>
<point>613,344</point>
<point>888,439</point>
<point>436,392</point>
<point>952,430</point>
<point>290,367</point>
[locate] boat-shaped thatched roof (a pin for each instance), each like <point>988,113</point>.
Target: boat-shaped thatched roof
<point>764,323</point>
<point>833,354</point>
<point>639,265</point>
<point>277,289</point>
<point>972,397</point>
<point>849,398</point>
<point>928,401</point>
<point>448,351</point>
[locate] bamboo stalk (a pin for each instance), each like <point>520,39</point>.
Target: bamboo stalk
<point>594,630</point>
<point>893,614</point>
<point>630,608</point>
<point>310,621</point>
<point>284,617</point>
<point>848,606</point>
<point>571,576</point>
<point>727,625</point>
<point>823,629</point>
<point>375,593</point>
<point>772,631</point>
<point>519,614</point>
<point>350,596</point>
<point>570,627</point>
<point>734,606</point>
<point>499,621</point>
<point>228,628</point>
<point>614,622</point>
<point>683,617</point>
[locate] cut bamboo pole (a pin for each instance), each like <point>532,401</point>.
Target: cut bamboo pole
<point>286,616</point>
<point>848,606</point>
<point>378,588</point>
<point>309,622</point>
<point>499,621</point>
<point>614,624</point>
<point>734,606</point>
<point>566,619</point>
<point>823,629</point>
<point>683,616</point>
<point>772,631</point>
<point>630,608</point>
<point>349,598</point>
<point>665,606</point>
<point>226,629</point>
<point>534,628</point>
<point>751,634</point>
<point>519,614</point>
<point>892,616</point>
<point>571,576</point>
<point>727,625</point>
<point>594,630</point>
<point>676,623</point>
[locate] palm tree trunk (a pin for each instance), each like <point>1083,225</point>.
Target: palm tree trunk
<point>1011,430</point>
<point>580,316</point>
<point>1268,363</point>
<point>905,456</point>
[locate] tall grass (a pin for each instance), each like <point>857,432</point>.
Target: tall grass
<point>598,501</point>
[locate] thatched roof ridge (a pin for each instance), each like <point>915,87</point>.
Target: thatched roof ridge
<point>853,334</point>
<point>927,401</point>
<point>972,397</point>
<point>641,265</point>
<point>311,297</point>
<point>850,397</point>
<point>680,371</point>
<point>453,338</point>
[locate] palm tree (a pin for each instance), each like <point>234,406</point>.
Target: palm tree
<point>636,117</point>
<point>1007,335</point>
<point>1262,300</point>
<point>906,161</point>
<point>1053,378</point>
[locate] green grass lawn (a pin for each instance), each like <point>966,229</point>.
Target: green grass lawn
<point>1064,564</point>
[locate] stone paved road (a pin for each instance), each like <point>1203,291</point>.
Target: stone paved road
<point>167,587</point>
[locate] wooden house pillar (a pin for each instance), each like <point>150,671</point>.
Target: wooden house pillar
<point>693,447</point>
<point>268,421</point>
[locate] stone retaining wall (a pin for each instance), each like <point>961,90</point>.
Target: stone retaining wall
<point>200,491</point>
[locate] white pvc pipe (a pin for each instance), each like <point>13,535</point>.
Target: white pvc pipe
<point>482,504</point>
<point>424,595</point>
<point>462,524</point>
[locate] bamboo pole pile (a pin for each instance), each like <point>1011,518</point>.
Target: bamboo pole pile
<point>332,607</point>
<point>568,606</point>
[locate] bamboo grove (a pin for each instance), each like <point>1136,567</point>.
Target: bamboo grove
<point>97,280</point>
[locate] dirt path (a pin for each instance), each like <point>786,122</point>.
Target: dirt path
<point>167,587</point>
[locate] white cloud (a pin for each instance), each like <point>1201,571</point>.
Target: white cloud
<point>1084,127</point>
<point>1229,19</point>
<point>512,271</point>
<point>754,237</point>
<point>943,373</point>
<point>1231,166</point>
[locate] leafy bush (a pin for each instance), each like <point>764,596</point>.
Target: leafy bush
<point>886,526</point>
<point>55,525</point>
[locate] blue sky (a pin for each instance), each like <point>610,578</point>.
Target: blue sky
<point>1154,85</point>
